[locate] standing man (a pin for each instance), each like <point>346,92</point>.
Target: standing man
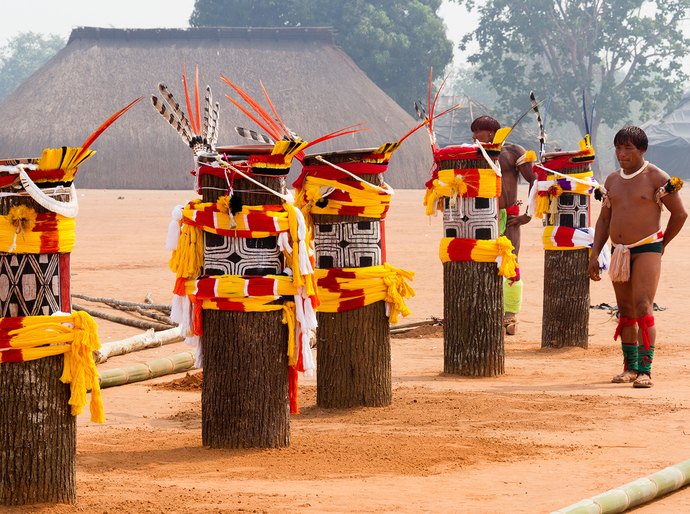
<point>514,162</point>
<point>631,216</point>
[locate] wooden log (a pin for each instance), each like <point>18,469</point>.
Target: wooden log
<point>565,318</point>
<point>149,339</point>
<point>116,303</point>
<point>37,429</point>
<point>353,360</point>
<point>244,399</point>
<point>130,322</point>
<point>473,319</point>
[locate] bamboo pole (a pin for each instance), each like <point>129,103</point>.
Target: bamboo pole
<point>147,370</point>
<point>149,339</point>
<point>633,493</point>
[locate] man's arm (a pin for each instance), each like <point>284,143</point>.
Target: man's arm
<point>525,170</point>
<point>601,235</point>
<point>677,219</point>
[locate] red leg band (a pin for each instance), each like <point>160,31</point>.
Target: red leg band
<point>644,323</point>
<point>622,323</point>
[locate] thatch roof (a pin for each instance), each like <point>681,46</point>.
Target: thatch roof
<point>316,87</point>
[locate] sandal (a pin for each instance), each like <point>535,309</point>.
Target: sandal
<point>625,378</point>
<point>643,381</point>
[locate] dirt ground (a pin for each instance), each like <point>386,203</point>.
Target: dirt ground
<point>549,432</point>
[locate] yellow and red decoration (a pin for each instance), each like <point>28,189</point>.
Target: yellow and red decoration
<point>454,249</point>
<point>75,336</point>
<point>23,230</point>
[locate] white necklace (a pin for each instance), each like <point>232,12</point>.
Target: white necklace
<point>633,175</point>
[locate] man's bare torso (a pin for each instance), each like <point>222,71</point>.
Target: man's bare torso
<point>634,212</point>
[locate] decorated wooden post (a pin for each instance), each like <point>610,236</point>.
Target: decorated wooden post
<point>344,195</point>
<point>245,288</point>
<point>466,185</point>
<point>46,362</point>
<point>562,198</point>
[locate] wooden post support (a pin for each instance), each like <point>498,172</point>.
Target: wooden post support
<point>565,314</point>
<point>37,429</point>
<point>353,345</point>
<point>466,187</point>
<point>245,389</point>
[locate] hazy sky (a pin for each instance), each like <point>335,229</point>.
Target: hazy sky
<point>61,16</point>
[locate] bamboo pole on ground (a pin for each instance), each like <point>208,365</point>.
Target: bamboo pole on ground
<point>146,371</point>
<point>635,493</point>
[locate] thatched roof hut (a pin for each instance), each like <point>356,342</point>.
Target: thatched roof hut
<point>316,87</point>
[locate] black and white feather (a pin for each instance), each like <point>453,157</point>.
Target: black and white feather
<point>540,123</point>
<point>254,136</point>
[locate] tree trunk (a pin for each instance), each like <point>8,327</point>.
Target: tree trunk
<point>565,318</point>
<point>353,357</point>
<point>473,319</point>
<point>244,401</point>
<point>37,429</point>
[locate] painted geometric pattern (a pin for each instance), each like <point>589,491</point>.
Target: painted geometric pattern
<point>348,245</point>
<point>241,255</point>
<point>471,218</point>
<point>573,211</point>
<point>29,284</point>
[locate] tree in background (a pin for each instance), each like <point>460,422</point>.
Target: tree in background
<point>24,54</point>
<point>625,53</point>
<point>394,42</point>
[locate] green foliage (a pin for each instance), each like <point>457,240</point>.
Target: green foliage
<point>394,42</point>
<point>624,53</point>
<point>24,54</point>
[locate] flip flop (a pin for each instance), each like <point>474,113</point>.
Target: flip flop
<point>643,381</point>
<point>624,378</point>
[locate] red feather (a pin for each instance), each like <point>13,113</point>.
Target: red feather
<point>276,131</point>
<point>189,104</point>
<point>337,133</point>
<point>273,109</point>
<point>253,118</point>
<point>85,146</point>
<point>429,121</point>
<point>198,108</point>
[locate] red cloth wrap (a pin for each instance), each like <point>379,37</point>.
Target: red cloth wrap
<point>622,323</point>
<point>644,323</point>
<point>513,210</point>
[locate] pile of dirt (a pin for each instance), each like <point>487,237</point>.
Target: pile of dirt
<point>425,331</point>
<point>190,382</point>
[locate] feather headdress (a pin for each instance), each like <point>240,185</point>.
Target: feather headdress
<point>285,142</point>
<point>200,135</point>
